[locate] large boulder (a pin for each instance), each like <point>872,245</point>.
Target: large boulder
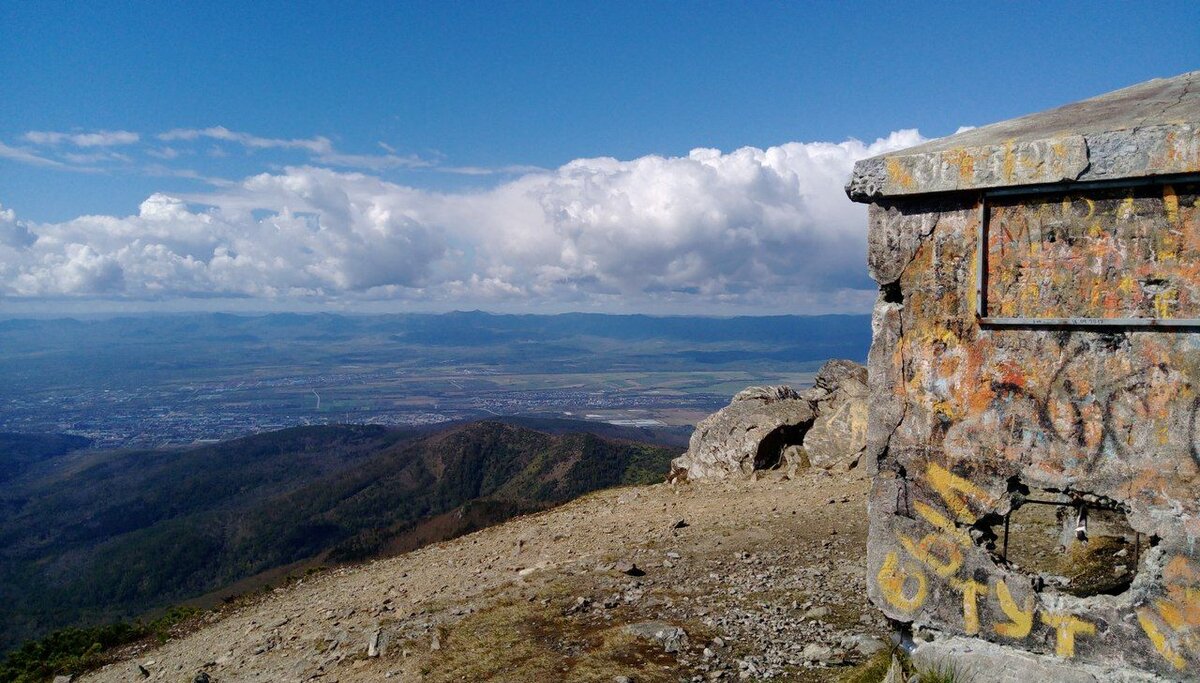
<point>774,426</point>
<point>838,437</point>
<point>750,433</point>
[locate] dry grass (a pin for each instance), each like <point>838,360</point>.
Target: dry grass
<point>871,671</point>
<point>515,640</point>
<point>875,669</point>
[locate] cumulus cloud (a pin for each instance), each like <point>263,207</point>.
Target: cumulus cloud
<point>768,228</point>
<point>12,232</point>
<point>101,138</point>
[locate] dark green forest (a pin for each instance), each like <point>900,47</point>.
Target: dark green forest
<point>91,537</point>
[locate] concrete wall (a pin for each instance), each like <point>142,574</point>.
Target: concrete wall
<point>966,419</point>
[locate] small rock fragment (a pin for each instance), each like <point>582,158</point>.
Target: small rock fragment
<point>815,652</point>
<point>817,613</point>
<point>673,638</point>
<point>581,604</point>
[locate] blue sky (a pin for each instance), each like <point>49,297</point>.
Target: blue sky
<point>400,106</point>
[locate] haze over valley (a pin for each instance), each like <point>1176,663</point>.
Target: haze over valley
<point>166,380</point>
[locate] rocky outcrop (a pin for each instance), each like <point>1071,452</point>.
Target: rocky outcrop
<point>749,434</point>
<point>838,437</point>
<point>774,426</point>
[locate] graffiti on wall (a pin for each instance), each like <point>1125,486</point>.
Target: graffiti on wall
<point>1104,254</point>
<point>1115,413</point>
<point>904,579</point>
<point>1005,608</point>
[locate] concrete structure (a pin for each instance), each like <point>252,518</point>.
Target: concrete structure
<point>1034,427</point>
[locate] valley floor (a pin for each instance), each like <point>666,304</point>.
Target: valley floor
<point>766,578</point>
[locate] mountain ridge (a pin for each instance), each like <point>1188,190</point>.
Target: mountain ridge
<point>112,534</point>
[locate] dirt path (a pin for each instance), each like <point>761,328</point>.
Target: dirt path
<point>763,579</point>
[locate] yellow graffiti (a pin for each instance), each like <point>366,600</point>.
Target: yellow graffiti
<point>1066,627</point>
<point>1182,577</point>
<point>1068,204</point>
<point>942,523</point>
<point>1173,626</point>
<point>970,592</point>
<point>1020,619</point>
<point>1126,209</point>
<point>1162,304</point>
<point>935,551</point>
<point>1171,204</point>
<point>1158,638</point>
<point>893,578</point>
<point>957,492</point>
<point>1009,163</point>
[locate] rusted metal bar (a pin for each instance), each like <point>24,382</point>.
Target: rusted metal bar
<point>981,259</point>
<point>1057,188</point>
<point>1091,322</point>
<point>1068,503</point>
<point>1006,516</point>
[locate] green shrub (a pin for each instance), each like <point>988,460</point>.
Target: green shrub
<point>74,650</point>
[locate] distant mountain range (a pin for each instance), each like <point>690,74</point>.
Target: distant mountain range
<point>90,536</point>
<point>199,343</point>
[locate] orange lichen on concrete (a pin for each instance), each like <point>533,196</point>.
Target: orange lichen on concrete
<point>1122,254</point>
<point>899,174</point>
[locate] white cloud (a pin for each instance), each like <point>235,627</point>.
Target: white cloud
<point>513,169</point>
<point>761,228</point>
<point>321,148</point>
<point>373,162</point>
<point>13,233</point>
<point>315,145</point>
<point>25,156</point>
<point>101,138</point>
<point>164,153</point>
<point>95,157</point>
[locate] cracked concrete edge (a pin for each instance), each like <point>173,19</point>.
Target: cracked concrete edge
<point>1149,129</point>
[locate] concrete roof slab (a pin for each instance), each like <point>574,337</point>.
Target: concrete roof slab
<point>1152,128</point>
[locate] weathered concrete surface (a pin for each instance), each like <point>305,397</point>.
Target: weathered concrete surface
<point>972,659</point>
<point>1118,253</point>
<point>1147,129</point>
<point>961,414</point>
<point>727,443</point>
<point>966,418</point>
<point>838,436</point>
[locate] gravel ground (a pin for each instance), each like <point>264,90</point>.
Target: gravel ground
<point>746,580</point>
